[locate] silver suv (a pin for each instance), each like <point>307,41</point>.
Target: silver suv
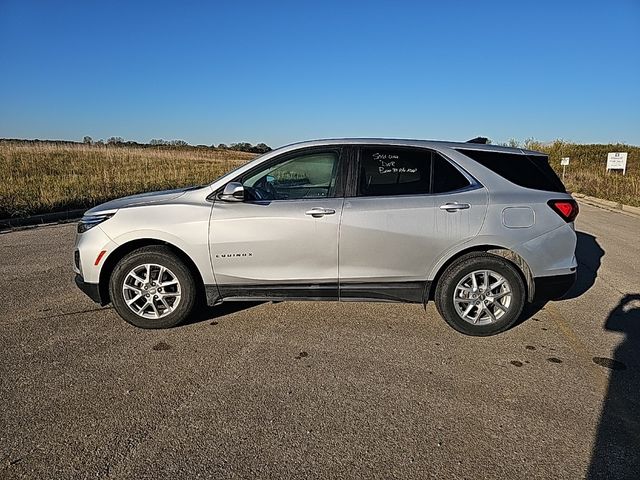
<point>480,229</point>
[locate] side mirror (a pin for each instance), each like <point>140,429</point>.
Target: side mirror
<point>233,192</point>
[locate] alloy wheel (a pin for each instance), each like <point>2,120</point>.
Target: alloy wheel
<point>151,291</point>
<point>482,297</point>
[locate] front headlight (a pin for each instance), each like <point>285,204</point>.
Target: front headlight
<point>90,221</point>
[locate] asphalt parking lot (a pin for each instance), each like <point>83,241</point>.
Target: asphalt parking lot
<point>320,390</point>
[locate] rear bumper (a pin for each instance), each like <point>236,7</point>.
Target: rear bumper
<point>554,287</point>
<point>91,290</point>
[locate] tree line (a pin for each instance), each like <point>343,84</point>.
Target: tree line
<point>158,142</point>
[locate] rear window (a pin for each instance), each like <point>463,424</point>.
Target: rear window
<point>529,171</point>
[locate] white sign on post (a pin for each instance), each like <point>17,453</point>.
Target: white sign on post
<point>617,161</point>
<point>564,161</point>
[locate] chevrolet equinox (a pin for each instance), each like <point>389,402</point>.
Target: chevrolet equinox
<point>479,229</point>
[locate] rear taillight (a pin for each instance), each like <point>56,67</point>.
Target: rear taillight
<point>567,209</point>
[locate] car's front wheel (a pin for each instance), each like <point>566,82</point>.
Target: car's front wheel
<point>151,288</point>
<point>480,294</point>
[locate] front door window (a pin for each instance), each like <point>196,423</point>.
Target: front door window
<point>306,176</point>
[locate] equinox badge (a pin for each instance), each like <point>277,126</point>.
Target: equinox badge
<point>230,255</point>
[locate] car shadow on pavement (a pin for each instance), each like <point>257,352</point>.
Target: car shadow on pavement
<point>205,313</point>
<point>616,449</point>
<point>589,254</point>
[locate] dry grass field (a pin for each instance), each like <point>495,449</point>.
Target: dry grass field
<point>587,174</point>
<point>45,177</point>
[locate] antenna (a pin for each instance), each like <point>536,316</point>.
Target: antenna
<point>481,140</point>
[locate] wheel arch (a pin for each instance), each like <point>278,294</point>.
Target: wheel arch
<point>119,253</point>
<point>520,263</point>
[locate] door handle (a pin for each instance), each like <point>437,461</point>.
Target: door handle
<point>452,207</point>
<point>320,212</point>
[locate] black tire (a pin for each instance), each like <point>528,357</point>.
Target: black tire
<point>162,256</point>
<point>457,271</point>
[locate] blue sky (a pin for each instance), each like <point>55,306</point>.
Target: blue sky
<point>278,72</point>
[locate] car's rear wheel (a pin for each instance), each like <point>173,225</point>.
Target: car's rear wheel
<point>151,288</point>
<point>480,294</point>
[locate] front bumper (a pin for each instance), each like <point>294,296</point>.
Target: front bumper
<point>92,290</point>
<point>553,287</point>
<point>87,249</point>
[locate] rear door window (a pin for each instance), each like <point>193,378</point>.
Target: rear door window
<point>388,171</point>
<point>529,171</point>
<point>394,171</point>
<point>446,177</point>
